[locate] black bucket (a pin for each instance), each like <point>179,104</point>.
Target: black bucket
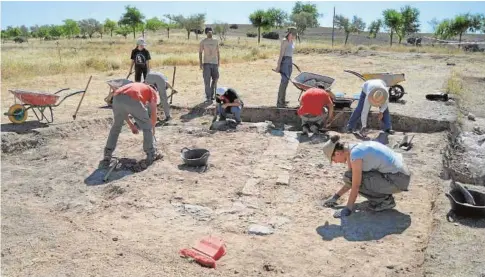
<point>460,207</point>
<point>341,103</point>
<point>195,157</point>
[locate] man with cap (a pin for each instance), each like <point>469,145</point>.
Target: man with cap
<point>131,99</point>
<point>140,58</point>
<point>374,93</point>
<point>311,111</point>
<point>375,171</point>
<point>228,101</point>
<point>285,64</point>
<point>209,47</point>
<point>160,82</point>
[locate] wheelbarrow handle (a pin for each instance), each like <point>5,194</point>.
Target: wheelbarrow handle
<point>297,67</point>
<point>185,149</point>
<point>61,90</point>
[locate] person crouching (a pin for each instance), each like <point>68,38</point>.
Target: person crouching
<point>375,171</point>
<point>311,111</point>
<point>228,101</point>
<point>131,99</point>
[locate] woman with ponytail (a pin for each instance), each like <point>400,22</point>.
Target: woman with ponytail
<point>374,171</point>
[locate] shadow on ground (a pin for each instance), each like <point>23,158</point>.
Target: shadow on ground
<point>198,169</point>
<point>195,112</point>
<point>366,226</point>
<point>26,127</point>
<point>124,168</point>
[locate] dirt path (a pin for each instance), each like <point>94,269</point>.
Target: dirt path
<point>61,225</point>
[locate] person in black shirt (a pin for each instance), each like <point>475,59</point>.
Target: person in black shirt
<point>140,58</point>
<point>228,102</point>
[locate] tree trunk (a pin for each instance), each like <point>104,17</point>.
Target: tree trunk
<point>143,33</point>
<point>134,33</point>
<point>391,36</point>
<point>459,41</point>
<point>197,35</point>
<point>259,35</point>
<point>111,33</point>
<point>188,34</point>
<point>346,38</point>
<point>168,32</point>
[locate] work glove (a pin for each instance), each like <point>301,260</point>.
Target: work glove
<point>331,202</point>
<point>343,212</point>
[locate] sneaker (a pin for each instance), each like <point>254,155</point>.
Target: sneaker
<point>153,157</point>
<point>387,204</point>
<point>390,131</point>
<point>305,130</point>
<point>314,129</point>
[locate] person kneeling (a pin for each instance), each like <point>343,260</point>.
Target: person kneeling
<point>228,102</point>
<point>132,99</point>
<point>312,104</point>
<point>374,171</point>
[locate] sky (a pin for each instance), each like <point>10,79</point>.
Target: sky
<point>17,13</point>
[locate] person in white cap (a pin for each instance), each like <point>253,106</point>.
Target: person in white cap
<point>228,101</point>
<point>209,49</point>
<point>140,59</point>
<point>374,94</point>
<point>374,171</point>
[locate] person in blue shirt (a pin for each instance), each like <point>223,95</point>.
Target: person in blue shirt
<point>374,171</point>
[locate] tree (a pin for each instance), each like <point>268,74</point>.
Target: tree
<point>304,16</point>
<point>171,24</point>
<point>109,25</point>
<point>266,19</point>
<point>458,26</point>
<point>393,20</point>
<point>43,31</point>
<point>221,30</point>
<point>56,31</point>
<point>308,8</point>
<point>132,18</point>
<point>374,28</point>
<point>356,26</point>
<point>24,31</point>
<point>89,26</point>
<point>277,17</point>
<point>409,23</point>
<point>71,28</point>
<point>154,24</point>
<point>13,32</point>
<point>124,31</point>
<point>191,23</point>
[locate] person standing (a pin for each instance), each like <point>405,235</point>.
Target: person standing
<point>209,48</point>
<point>311,111</point>
<point>132,99</point>
<point>374,94</point>
<point>285,64</point>
<point>140,59</point>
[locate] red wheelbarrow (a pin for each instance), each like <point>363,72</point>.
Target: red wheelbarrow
<point>39,103</point>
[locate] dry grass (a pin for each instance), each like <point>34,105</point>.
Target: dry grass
<point>42,58</point>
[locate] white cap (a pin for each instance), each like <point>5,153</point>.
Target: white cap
<point>221,91</point>
<point>141,41</point>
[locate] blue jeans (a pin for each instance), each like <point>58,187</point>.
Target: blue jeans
<point>356,114</point>
<point>286,68</point>
<point>236,111</point>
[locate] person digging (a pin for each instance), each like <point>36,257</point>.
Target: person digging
<point>374,171</point>
<point>131,99</point>
<point>374,94</point>
<point>160,82</point>
<point>228,101</point>
<point>311,111</point>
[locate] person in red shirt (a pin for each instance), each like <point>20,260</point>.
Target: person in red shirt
<point>311,111</point>
<point>132,99</point>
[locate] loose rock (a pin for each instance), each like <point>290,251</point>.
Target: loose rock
<point>198,212</point>
<point>471,117</point>
<point>260,230</point>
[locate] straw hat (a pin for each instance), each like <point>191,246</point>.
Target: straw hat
<point>378,96</point>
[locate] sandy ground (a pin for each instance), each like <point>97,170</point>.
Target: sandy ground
<point>57,220</point>
<point>64,224</point>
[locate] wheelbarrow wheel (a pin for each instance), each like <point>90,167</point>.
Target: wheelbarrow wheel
<point>17,114</point>
<point>396,92</point>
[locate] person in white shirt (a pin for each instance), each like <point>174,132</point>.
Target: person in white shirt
<point>374,94</point>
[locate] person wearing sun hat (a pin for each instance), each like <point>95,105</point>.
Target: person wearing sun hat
<point>375,171</point>
<point>228,101</point>
<point>140,59</point>
<point>374,94</point>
